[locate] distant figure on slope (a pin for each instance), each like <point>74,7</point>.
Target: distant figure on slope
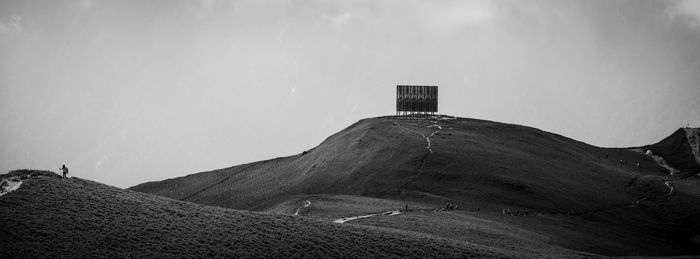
<point>64,169</point>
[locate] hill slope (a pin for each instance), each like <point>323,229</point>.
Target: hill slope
<point>48,216</point>
<point>491,165</point>
<point>467,159</point>
<point>680,149</point>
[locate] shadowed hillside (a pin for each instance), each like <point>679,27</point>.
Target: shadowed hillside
<point>475,163</point>
<point>676,149</point>
<point>48,216</point>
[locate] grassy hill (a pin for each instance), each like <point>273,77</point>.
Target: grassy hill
<point>677,150</point>
<point>471,159</point>
<point>48,216</point>
<point>600,200</point>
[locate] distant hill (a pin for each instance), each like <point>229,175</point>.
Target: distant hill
<point>47,216</point>
<point>492,165</point>
<point>680,149</point>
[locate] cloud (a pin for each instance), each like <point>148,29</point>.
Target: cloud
<point>341,18</point>
<point>688,10</point>
<point>451,16</point>
<point>85,4</point>
<point>11,24</point>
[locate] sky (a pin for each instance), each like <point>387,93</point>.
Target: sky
<point>126,92</point>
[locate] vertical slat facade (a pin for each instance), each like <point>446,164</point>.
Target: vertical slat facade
<point>416,100</point>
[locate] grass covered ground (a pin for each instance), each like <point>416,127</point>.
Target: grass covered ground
<point>425,219</point>
<point>53,217</point>
<point>535,234</point>
<point>610,201</point>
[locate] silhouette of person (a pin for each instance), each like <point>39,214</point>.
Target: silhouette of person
<point>65,170</point>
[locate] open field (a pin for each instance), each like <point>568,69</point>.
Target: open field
<point>423,219</point>
<point>535,234</point>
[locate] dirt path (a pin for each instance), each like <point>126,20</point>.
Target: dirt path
<point>670,187</point>
<point>9,184</point>
<point>661,162</point>
<point>307,203</point>
<point>439,128</point>
<point>346,219</point>
<point>427,138</point>
<point>428,147</point>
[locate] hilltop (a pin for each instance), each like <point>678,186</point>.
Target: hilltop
<point>568,194</point>
<point>48,216</point>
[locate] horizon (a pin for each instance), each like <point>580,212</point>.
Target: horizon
<point>126,92</point>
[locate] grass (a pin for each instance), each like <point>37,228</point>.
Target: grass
<point>535,235</point>
<point>677,151</point>
<point>424,219</point>
<point>53,217</point>
<point>330,207</point>
<point>475,163</point>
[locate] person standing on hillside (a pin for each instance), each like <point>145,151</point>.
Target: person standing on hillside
<point>64,169</point>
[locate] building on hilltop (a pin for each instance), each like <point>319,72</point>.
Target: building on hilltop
<point>416,101</point>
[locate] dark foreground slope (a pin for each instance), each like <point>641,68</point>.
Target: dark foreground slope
<point>52,217</point>
<point>601,200</point>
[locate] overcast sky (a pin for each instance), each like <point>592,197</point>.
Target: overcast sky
<point>131,91</point>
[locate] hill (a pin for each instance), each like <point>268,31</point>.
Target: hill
<point>576,196</point>
<point>680,150</point>
<point>47,216</point>
<point>510,164</point>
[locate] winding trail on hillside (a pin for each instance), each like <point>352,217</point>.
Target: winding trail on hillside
<point>346,219</point>
<point>668,182</point>
<point>427,138</point>
<point>670,187</point>
<point>307,203</point>
<point>672,171</point>
<point>660,161</point>
<point>439,128</point>
<point>9,184</point>
<point>428,147</point>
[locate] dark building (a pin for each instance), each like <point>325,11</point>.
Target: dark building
<point>416,101</point>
